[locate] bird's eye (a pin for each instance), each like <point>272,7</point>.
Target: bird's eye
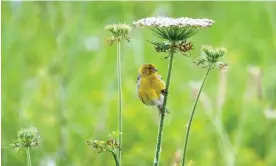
<point>149,68</point>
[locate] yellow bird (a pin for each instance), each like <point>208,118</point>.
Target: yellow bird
<point>150,86</point>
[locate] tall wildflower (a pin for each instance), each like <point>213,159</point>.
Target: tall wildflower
<point>174,32</point>
<point>26,139</point>
<point>210,60</point>
<point>119,32</point>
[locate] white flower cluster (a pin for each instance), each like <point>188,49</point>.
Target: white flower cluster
<point>163,22</point>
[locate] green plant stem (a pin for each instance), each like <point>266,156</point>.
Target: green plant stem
<point>162,116</point>
<point>28,157</point>
<point>192,115</point>
<point>120,113</point>
<point>117,163</point>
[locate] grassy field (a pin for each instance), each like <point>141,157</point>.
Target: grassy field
<point>59,75</point>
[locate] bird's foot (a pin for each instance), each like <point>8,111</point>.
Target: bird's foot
<point>164,92</point>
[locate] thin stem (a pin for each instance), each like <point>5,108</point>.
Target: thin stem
<point>192,115</point>
<point>62,120</point>
<point>120,113</point>
<point>162,118</point>
<point>117,163</point>
<point>28,157</point>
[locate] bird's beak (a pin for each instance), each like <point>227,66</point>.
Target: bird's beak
<point>155,70</point>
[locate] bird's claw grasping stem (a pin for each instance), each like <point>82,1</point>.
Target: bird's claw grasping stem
<point>164,92</point>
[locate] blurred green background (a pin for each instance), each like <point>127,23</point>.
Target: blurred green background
<point>59,75</point>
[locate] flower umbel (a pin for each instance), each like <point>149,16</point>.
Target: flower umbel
<point>175,32</point>
<point>118,31</point>
<point>110,145</point>
<point>211,57</point>
<point>169,22</point>
<point>26,138</point>
<point>174,29</point>
<point>183,47</point>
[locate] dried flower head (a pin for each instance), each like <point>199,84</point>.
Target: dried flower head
<point>211,57</point>
<point>110,145</point>
<point>118,31</point>
<point>174,29</point>
<point>26,138</point>
<point>183,47</point>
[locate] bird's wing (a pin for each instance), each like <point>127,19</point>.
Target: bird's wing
<point>161,80</point>
<point>138,81</point>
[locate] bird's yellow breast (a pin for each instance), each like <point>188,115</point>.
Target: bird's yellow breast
<point>150,89</point>
<point>151,83</point>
